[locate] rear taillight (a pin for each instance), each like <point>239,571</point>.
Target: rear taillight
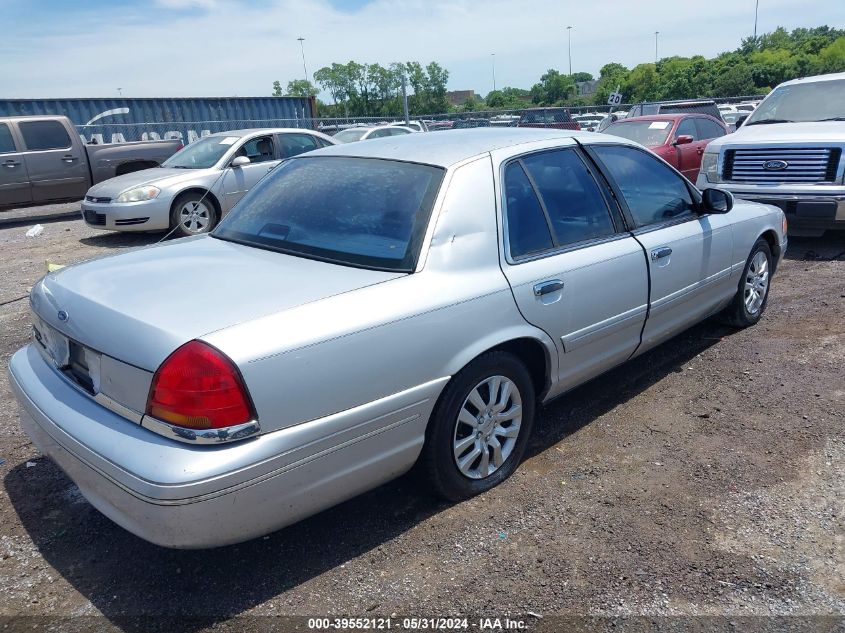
<point>197,387</point>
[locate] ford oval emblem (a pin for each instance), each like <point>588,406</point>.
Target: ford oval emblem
<point>63,316</point>
<point>775,165</point>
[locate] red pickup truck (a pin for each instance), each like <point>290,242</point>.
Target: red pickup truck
<point>679,139</point>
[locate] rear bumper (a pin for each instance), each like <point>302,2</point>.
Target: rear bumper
<point>170,506</point>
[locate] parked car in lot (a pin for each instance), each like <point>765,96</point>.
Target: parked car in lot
<point>689,106</point>
<point>556,118</point>
<point>198,185</point>
<point>679,139</point>
<point>364,133</point>
<point>789,153</point>
<point>368,306</point>
<point>43,160</point>
<point>415,126</point>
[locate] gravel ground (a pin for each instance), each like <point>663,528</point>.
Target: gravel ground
<point>704,478</point>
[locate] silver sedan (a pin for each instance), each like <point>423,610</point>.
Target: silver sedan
<point>373,306</point>
<point>198,185</point>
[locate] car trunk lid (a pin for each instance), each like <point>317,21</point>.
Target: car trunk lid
<point>139,307</point>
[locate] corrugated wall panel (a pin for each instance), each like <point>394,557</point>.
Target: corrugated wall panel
<point>115,120</point>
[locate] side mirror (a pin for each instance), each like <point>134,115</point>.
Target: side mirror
<point>740,121</point>
<point>240,161</point>
<point>717,201</point>
<point>683,139</point>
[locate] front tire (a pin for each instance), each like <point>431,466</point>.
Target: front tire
<point>193,213</point>
<point>480,427</point>
<point>752,296</point>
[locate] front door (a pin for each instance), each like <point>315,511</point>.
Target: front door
<point>573,270</point>
<point>14,180</point>
<point>263,157</point>
<point>57,167</point>
<point>689,256</point>
<point>689,154</point>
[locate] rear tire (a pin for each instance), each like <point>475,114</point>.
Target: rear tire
<point>752,295</point>
<point>193,213</point>
<point>480,427</point>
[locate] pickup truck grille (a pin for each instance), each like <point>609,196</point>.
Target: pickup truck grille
<point>803,164</point>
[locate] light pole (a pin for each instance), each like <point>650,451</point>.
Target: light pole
<point>493,57</point>
<point>120,92</point>
<point>756,6</point>
<point>656,33</point>
<point>569,38</point>
<point>302,48</point>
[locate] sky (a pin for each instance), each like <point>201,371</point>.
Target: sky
<point>154,48</point>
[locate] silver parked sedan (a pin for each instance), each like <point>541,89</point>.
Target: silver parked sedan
<point>374,305</point>
<point>196,186</point>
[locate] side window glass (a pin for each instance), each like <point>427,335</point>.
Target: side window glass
<point>654,192</point>
<point>527,231</point>
<point>573,200</point>
<point>7,143</point>
<point>258,150</point>
<point>687,127</point>
<point>380,133</point>
<point>294,144</point>
<point>43,135</point>
<point>709,129</point>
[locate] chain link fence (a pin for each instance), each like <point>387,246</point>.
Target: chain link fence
<point>588,117</point>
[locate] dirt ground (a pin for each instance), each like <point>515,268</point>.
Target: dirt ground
<point>704,478</point>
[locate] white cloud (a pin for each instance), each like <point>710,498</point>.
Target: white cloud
<point>216,48</point>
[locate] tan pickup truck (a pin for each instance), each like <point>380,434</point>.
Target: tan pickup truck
<point>43,160</point>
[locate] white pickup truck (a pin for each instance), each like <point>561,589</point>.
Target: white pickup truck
<point>43,160</point>
<point>790,152</point>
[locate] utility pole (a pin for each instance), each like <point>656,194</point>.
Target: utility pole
<point>302,48</point>
<point>493,57</point>
<point>569,38</point>
<point>756,6</point>
<point>120,92</point>
<point>405,100</point>
<point>656,33</point>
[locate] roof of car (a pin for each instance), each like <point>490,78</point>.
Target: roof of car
<point>449,147</point>
<point>266,130</point>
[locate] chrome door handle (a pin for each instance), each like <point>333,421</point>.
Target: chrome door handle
<point>660,253</point>
<point>69,159</point>
<point>12,163</point>
<point>546,287</point>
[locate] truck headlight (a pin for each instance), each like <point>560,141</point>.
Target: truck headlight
<point>710,166</point>
<point>139,194</point>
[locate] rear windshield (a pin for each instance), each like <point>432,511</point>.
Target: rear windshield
<point>348,136</point>
<point>648,133</point>
<point>364,212</point>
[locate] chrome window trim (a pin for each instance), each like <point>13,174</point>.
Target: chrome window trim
<point>201,436</point>
<point>568,248</point>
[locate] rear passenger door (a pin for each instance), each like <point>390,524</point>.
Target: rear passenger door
<point>14,180</point>
<point>58,167</point>
<point>689,255</point>
<point>573,269</point>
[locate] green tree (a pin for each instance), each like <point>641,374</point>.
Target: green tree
<point>832,57</point>
<point>582,76</point>
<point>553,88</point>
<point>734,81</point>
<point>277,88</point>
<point>301,88</point>
<point>610,76</point>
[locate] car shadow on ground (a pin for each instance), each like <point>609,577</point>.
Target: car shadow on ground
<point>137,585</point>
<point>830,246</point>
<point>123,240</point>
